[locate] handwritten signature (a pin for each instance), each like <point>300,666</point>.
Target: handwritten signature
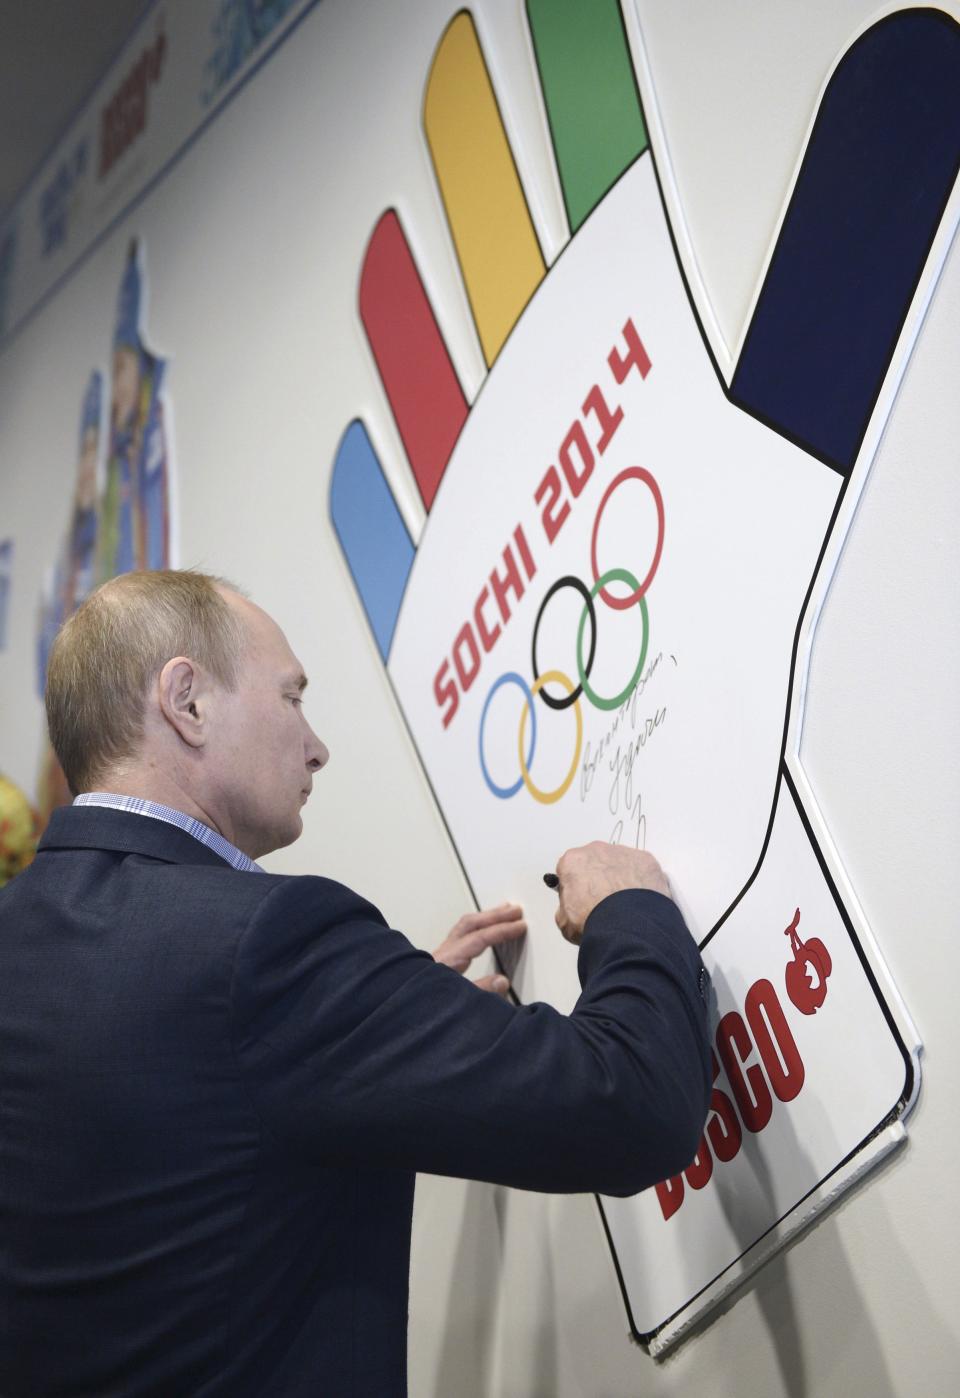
<point>637,818</point>
<point>618,750</point>
<point>621,760</point>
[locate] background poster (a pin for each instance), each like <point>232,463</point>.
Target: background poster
<point>120,509</point>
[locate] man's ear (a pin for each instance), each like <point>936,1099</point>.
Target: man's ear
<point>183,700</point>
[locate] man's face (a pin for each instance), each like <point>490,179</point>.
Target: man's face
<point>265,752</point>
<point>126,384</point>
<point>87,471</point>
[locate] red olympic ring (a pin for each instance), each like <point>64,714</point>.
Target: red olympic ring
<point>620,604</point>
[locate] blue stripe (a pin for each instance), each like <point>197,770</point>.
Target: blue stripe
<point>882,159</point>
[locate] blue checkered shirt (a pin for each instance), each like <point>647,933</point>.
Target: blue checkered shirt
<point>137,806</point>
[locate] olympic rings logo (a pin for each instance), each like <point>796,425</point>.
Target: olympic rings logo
<point>527,746</point>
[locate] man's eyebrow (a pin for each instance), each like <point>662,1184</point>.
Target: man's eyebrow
<point>297,681</point>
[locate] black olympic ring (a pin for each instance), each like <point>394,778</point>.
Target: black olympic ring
<point>574,695</point>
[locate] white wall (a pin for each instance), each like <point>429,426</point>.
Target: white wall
<point>253,246</point>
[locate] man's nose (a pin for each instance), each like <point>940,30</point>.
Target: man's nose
<point>318,754</point>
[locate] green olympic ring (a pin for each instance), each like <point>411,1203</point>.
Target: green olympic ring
<point>614,575</point>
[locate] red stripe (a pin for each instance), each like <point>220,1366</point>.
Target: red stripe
<point>423,389</point>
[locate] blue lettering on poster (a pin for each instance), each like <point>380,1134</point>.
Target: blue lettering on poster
<point>239,28</point>
<point>59,200</point>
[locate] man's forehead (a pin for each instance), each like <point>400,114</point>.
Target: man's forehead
<point>266,638</point>
<point>256,621</point>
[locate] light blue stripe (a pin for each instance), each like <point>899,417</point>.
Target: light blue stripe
<point>136,805</point>
<point>372,534</point>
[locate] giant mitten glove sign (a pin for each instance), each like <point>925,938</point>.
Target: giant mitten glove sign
<point>602,631</point>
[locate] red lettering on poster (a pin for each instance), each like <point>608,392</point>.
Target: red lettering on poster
<point>636,356</point>
<point>124,117</point>
<point>466,657</point>
<point>548,494</point>
<point>723,1128</point>
<point>607,421</point>
<point>576,459</point>
<point>506,582</point>
<point>670,1194</point>
<point>445,692</point>
<point>763,1027</point>
<point>560,485</point>
<point>750,1092</point>
<point>487,638</point>
<point>503,589</point>
<point>776,1044</point>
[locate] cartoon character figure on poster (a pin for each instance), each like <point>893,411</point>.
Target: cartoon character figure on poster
<point>82,540</point>
<point>120,516</point>
<point>74,574</point>
<point>135,529</point>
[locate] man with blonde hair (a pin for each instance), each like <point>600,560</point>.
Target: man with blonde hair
<point>216,1084</point>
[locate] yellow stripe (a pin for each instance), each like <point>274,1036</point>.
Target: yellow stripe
<point>496,245</point>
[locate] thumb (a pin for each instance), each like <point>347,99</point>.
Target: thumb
<point>496,983</point>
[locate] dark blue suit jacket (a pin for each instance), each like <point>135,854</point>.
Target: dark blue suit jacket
<point>215,1089</point>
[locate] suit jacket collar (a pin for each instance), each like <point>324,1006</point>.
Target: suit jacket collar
<point>99,827</point>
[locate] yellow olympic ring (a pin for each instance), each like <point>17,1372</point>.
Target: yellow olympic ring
<point>547,798</point>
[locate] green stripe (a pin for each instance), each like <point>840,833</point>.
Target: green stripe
<point>590,94</point>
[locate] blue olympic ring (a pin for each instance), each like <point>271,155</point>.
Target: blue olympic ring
<point>511,677</point>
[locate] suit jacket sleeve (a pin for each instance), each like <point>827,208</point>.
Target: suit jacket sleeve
<point>359,1049</point>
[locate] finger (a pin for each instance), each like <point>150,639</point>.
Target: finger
<point>474,932</point>
<point>502,932</point>
<point>455,959</point>
<point>476,942</point>
<point>497,984</point>
<point>487,917</point>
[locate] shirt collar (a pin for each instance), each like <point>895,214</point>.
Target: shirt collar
<point>136,805</point>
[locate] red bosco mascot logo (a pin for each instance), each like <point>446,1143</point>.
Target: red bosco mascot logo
<point>761,1029</point>
<point>808,971</point>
